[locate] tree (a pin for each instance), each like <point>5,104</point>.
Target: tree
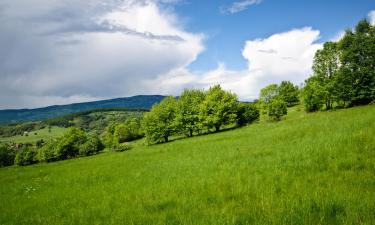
<point>218,108</point>
<point>326,66</point>
<point>247,113</point>
<point>289,93</point>
<point>69,144</point>
<point>6,155</point>
<point>312,95</point>
<point>25,156</point>
<point>92,146</point>
<point>187,116</point>
<point>266,94</point>
<point>159,124</point>
<point>276,109</point>
<point>357,74</point>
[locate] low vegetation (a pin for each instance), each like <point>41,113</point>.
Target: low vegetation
<point>315,168</point>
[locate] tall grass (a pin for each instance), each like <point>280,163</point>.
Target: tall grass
<point>307,169</point>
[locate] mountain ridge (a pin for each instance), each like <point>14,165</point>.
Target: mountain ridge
<point>23,115</point>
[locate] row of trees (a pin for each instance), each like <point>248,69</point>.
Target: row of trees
<point>343,71</point>
<point>196,112</point>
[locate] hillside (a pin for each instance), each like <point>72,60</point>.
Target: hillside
<point>313,168</point>
<point>22,115</point>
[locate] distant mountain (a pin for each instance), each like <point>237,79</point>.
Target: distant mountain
<point>23,115</point>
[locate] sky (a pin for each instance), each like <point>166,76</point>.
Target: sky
<point>59,52</point>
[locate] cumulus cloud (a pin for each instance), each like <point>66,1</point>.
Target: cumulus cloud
<point>239,6</point>
<point>282,56</point>
<point>372,17</point>
<point>57,52</point>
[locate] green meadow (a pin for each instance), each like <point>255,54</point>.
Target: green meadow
<point>316,168</point>
<point>34,136</point>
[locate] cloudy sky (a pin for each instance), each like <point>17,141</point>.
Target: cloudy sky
<point>65,51</point>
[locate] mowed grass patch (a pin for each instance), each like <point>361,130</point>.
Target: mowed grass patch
<point>307,169</point>
<point>34,136</point>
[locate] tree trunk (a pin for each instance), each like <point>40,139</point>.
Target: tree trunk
<point>190,132</point>
<point>217,128</point>
<point>166,138</point>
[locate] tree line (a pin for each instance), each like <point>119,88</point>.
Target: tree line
<point>343,71</point>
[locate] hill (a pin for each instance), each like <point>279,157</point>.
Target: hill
<point>22,115</point>
<point>313,168</point>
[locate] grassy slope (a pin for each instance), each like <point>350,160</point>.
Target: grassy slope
<point>308,169</point>
<point>40,134</point>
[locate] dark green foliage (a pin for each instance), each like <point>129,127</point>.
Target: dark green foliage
<point>312,96</point>
<point>92,146</point>
<point>18,129</point>
<point>276,109</point>
<point>218,108</point>
<point>289,93</point>
<point>6,155</point>
<point>67,146</point>
<point>358,63</point>
<point>247,113</point>
<point>344,73</point>
<point>26,156</point>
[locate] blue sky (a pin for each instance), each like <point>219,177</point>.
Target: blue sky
<point>227,33</point>
<point>65,51</point>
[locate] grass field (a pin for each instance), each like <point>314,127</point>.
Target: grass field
<point>36,135</point>
<point>307,169</point>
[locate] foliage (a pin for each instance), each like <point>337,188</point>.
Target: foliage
<point>92,146</point>
<point>344,72</point>
<point>307,169</point>
<point>26,156</point>
<point>289,93</point>
<point>122,147</point>
<point>247,113</point>
<point>128,131</point>
<point>218,108</point>
<point>159,124</point>
<point>276,109</point>
<point>6,155</point>
<point>187,115</point>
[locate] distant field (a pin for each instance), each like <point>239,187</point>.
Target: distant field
<point>36,135</point>
<point>314,168</point>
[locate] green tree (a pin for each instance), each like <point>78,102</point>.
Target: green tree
<point>92,146</point>
<point>69,143</point>
<point>289,93</point>
<point>266,94</point>
<point>218,108</point>
<point>357,77</point>
<point>6,155</point>
<point>326,66</point>
<point>159,124</point>
<point>187,116</point>
<point>26,156</point>
<point>247,113</point>
<point>276,109</point>
<point>312,95</point>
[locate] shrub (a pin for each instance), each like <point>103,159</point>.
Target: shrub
<point>276,109</point>
<point>26,156</point>
<point>122,147</point>
<point>92,146</point>
<point>48,152</point>
<point>6,156</point>
<point>247,113</point>
<point>68,145</point>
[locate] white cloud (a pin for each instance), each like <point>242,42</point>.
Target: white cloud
<point>282,56</point>
<point>67,51</point>
<point>372,17</point>
<point>239,6</point>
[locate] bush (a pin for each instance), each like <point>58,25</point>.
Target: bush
<point>6,156</point>
<point>247,113</point>
<point>26,156</point>
<point>48,152</point>
<point>276,109</point>
<point>92,146</point>
<point>69,144</point>
<point>122,147</point>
